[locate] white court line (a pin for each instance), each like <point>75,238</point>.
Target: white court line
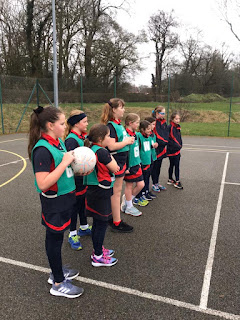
<point>5,164</point>
<point>130,291</point>
<point>209,145</point>
<point>211,150</point>
<point>235,183</point>
<point>211,252</point>
<point>13,140</point>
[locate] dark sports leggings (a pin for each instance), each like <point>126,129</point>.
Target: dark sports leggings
<point>53,244</point>
<point>156,170</point>
<point>79,209</point>
<point>146,178</point>
<point>99,228</point>
<point>174,163</point>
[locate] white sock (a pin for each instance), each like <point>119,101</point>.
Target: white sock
<point>129,204</point>
<point>98,257</point>
<point>73,233</point>
<point>84,226</point>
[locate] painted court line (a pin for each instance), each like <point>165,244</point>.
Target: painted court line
<point>13,140</point>
<point>210,260</point>
<point>211,150</point>
<point>130,291</point>
<point>234,183</point>
<point>209,145</point>
<point>5,164</point>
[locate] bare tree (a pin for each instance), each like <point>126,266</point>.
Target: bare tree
<point>230,11</point>
<point>161,26</point>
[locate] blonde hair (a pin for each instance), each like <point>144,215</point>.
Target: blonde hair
<point>68,125</point>
<point>157,109</point>
<point>107,113</point>
<point>131,117</point>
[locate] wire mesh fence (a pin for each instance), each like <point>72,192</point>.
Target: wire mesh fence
<point>201,113</point>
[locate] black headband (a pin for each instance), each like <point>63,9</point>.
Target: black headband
<point>76,118</point>
<point>38,110</point>
<point>110,104</point>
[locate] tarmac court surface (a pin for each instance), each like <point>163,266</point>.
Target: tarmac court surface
<point>181,262</point>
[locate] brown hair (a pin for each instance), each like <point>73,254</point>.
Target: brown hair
<point>144,124</point>
<point>150,119</point>
<point>157,109</point>
<point>38,121</point>
<point>131,117</point>
<point>173,115</point>
<point>107,113</point>
<point>97,132</point>
<point>68,125</point>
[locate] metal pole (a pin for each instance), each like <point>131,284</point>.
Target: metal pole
<point>230,108</point>
<point>115,86</point>
<point>81,83</point>
<point>168,97</point>
<point>55,74</point>
<point>37,87</point>
<point>1,106</point>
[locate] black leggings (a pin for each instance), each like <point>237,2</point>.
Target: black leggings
<point>156,170</point>
<point>99,228</point>
<point>174,163</point>
<point>53,244</point>
<point>79,208</point>
<point>146,178</point>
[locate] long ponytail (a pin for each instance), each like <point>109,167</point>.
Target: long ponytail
<point>38,121</point>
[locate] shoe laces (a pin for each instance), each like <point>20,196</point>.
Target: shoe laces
<point>75,238</point>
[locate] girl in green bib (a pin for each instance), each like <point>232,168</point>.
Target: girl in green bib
<point>98,197</point>
<point>54,181</point>
<point>119,146</point>
<point>75,135</point>
<point>145,147</point>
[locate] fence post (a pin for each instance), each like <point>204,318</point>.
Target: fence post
<point>230,107</point>
<point>81,90</point>
<point>30,98</point>
<point>37,88</point>
<point>115,86</point>
<point>168,97</point>
<point>45,94</point>
<point>1,106</point>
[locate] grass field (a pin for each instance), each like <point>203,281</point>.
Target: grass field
<point>203,119</point>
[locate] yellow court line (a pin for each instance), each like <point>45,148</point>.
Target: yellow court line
<point>18,174</point>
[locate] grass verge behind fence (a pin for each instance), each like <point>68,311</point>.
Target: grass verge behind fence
<point>204,119</point>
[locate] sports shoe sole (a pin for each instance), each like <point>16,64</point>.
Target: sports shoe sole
<point>50,281</point>
<point>178,187</point>
<point>121,231</point>
<point>97,264</point>
<point>62,294</point>
<point>134,215</point>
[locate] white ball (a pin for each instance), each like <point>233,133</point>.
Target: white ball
<point>84,160</point>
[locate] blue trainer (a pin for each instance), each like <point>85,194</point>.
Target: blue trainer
<point>162,187</point>
<point>85,232</point>
<point>75,242</point>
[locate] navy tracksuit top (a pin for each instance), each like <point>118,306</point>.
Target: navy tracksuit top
<point>175,140</point>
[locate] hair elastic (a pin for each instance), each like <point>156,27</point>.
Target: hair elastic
<point>76,118</point>
<point>110,103</point>
<point>38,110</point>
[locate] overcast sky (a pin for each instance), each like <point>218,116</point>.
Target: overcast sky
<point>204,15</point>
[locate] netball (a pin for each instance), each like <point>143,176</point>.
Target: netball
<point>84,160</point>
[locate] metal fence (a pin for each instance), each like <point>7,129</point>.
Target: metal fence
<point>19,95</point>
